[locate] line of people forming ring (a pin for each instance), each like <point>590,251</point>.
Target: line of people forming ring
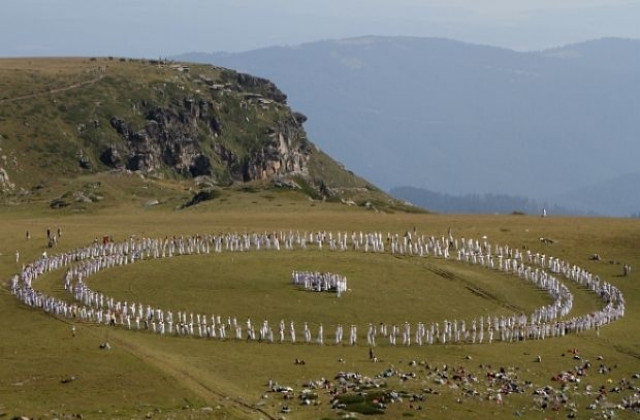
<point>551,320</point>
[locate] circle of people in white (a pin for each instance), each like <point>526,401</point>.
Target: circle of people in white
<point>551,320</point>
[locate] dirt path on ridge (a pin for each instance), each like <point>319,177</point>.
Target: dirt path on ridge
<point>52,91</point>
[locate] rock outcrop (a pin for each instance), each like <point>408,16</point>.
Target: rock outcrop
<point>266,87</point>
<point>280,155</point>
<point>168,139</point>
<point>5,184</point>
<point>189,138</point>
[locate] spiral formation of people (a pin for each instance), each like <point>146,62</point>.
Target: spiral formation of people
<point>542,271</point>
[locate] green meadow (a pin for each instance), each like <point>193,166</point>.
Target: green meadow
<point>45,372</point>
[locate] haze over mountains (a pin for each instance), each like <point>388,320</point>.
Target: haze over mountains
<point>560,126</point>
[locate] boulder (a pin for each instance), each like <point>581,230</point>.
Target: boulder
<point>300,117</point>
<point>111,157</point>
<point>268,88</point>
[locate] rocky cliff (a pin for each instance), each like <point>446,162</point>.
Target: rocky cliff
<point>201,132</point>
<point>5,184</point>
<point>160,118</point>
<point>61,119</point>
<point>172,137</point>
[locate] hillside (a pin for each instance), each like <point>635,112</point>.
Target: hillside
<point>198,126</point>
<point>466,119</point>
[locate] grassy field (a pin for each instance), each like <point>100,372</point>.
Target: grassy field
<point>47,373</point>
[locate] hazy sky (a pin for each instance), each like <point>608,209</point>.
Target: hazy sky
<point>152,28</point>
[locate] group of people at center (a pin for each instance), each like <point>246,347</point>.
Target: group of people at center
<point>320,282</point>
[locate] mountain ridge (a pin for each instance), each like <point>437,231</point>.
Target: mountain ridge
<point>162,120</point>
<point>457,117</point>
<point>479,203</point>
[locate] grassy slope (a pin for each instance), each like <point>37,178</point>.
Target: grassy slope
<point>144,372</point>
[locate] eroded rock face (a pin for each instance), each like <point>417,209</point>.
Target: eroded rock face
<point>5,184</point>
<point>280,156</point>
<point>173,137</point>
<point>168,139</point>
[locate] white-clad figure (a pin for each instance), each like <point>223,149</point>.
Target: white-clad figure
<point>393,334</point>
<point>307,333</point>
<point>353,335</point>
<point>406,335</point>
<point>292,331</point>
<point>370,335</point>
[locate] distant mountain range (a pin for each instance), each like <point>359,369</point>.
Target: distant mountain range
<point>560,125</point>
<point>478,203</point>
<point>618,196</point>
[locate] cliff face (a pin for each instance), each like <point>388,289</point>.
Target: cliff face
<point>5,183</point>
<point>173,137</point>
<point>283,153</point>
<point>199,134</point>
